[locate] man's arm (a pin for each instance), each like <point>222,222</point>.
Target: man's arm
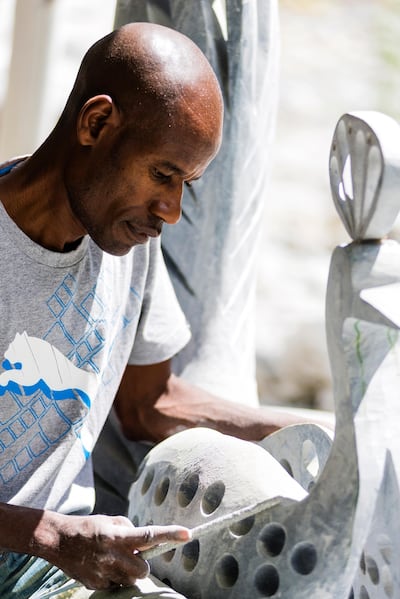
<point>99,551</point>
<point>152,404</point>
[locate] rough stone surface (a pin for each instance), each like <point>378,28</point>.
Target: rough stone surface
<point>200,475</point>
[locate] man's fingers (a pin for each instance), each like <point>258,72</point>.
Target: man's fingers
<point>149,536</point>
<point>127,571</point>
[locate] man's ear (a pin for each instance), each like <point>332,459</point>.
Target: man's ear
<point>95,116</point>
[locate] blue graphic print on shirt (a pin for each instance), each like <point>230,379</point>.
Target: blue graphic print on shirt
<point>47,395</point>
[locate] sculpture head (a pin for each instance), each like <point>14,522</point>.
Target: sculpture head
<point>364,168</point>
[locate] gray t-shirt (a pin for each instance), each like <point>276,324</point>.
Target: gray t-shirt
<point>70,322</point>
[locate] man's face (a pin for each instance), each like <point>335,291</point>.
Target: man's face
<point>129,188</point>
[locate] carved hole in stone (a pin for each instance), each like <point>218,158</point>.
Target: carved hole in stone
<point>161,491</point>
<point>227,571</point>
<point>271,539</point>
<point>309,457</point>
<point>372,569</point>
<point>190,555</point>
<point>364,593</point>
<point>351,596</point>
<point>266,580</point>
<point>286,465</point>
<point>212,497</point>
<point>241,528</point>
<point>168,555</point>
<point>385,547</point>
<point>304,558</point>
<point>387,581</point>
<point>147,481</point>
<point>362,563</point>
<point>346,185</point>
<point>188,490</point>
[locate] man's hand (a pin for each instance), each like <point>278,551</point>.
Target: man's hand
<point>103,552</point>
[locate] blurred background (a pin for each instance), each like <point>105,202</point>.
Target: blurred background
<point>336,56</point>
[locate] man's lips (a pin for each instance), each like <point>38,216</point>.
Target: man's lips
<point>151,232</point>
<point>141,234</point>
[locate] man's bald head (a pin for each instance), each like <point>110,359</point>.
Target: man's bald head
<point>151,73</point>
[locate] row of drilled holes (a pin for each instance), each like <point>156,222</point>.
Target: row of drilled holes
<point>270,542</point>
<point>210,501</point>
<point>382,576</point>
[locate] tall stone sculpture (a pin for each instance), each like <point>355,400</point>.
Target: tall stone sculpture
<point>212,253</point>
<point>363,321</point>
<point>333,532</point>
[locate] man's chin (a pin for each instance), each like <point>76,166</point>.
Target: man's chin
<point>118,249</point>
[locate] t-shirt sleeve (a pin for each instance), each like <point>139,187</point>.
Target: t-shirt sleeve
<point>162,329</point>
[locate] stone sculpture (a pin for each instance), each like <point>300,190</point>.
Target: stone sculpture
<point>333,532</point>
<point>211,254</point>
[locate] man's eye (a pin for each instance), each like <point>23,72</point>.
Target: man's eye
<point>160,175</point>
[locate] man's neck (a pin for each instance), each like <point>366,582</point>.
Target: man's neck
<point>37,202</point>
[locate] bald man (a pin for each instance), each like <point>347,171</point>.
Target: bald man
<point>89,318</point>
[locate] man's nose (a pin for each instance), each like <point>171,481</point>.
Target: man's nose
<point>169,207</point>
